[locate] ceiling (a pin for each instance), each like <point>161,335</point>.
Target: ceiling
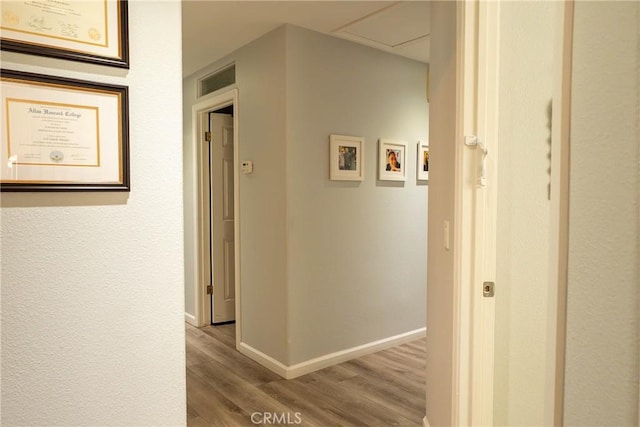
<point>213,29</point>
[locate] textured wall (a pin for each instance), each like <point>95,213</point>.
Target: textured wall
<point>92,298</point>
<point>527,40</point>
<point>356,251</point>
<point>602,325</point>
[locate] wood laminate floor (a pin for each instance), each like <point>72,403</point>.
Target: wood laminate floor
<point>225,388</point>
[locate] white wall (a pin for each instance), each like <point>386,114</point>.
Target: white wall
<point>527,41</point>
<point>92,299</point>
<point>442,136</point>
<point>356,251</point>
<point>602,327</point>
<point>602,314</point>
<point>296,225</point>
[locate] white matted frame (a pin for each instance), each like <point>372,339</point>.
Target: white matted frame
<point>63,134</point>
<point>89,31</point>
<point>346,154</point>
<point>422,161</point>
<point>392,160</point>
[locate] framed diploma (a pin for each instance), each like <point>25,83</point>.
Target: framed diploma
<point>61,134</point>
<point>90,31</point>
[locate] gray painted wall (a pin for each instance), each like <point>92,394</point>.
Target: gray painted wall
<point>260,77</point>
<point>263,221</point>
<point>356,251</point>
<point>602,313</point>
<point>319,272</point>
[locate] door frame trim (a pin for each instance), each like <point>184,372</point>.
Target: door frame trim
<point>485,212</point>
<point>475,213</point>
<point>475,261</point>
<point>200,123</point>
<point>559,224</point>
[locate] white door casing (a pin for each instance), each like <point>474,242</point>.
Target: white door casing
<point>459,319</point>
<point>486,214</point>
<point>559,224</point>
<point>221,184</point>
<point>200,125</point>
<point>476,213</point>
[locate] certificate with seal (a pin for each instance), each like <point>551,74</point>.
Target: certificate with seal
<point>91,31</point>
<point>62,134</point>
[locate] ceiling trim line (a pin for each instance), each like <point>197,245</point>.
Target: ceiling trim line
<point>408,42</point>
<point>368,16</point>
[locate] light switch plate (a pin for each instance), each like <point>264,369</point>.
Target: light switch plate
<point>247,167</point>
<point>446,235</point>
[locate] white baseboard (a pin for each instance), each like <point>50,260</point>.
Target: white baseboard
<point>315,364</point>
<point>263,359</point>
<point>190,319</point>
<point>425,422</point>
<point>351,353</point>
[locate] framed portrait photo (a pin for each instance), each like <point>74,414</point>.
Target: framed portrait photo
<point>89,31</point>
<point>346,154</point>
<point>422,165</point>
<point>62,134</point>
<point>392,160</point>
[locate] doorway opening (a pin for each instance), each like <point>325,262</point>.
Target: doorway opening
<point>216,125</point>
<point>220,183</point>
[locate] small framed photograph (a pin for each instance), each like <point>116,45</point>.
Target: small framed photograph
<point>392,160</point>
<point>62,134</point>
<point>346,154</point>
<point>423,161</point>
<point>79,30</point>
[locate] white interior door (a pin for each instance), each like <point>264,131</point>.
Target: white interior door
<point>222,218</point>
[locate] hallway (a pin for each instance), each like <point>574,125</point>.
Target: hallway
<point>226,388</point>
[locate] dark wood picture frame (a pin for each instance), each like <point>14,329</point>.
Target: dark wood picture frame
<point>59,52</point>
<point>114,96</point>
